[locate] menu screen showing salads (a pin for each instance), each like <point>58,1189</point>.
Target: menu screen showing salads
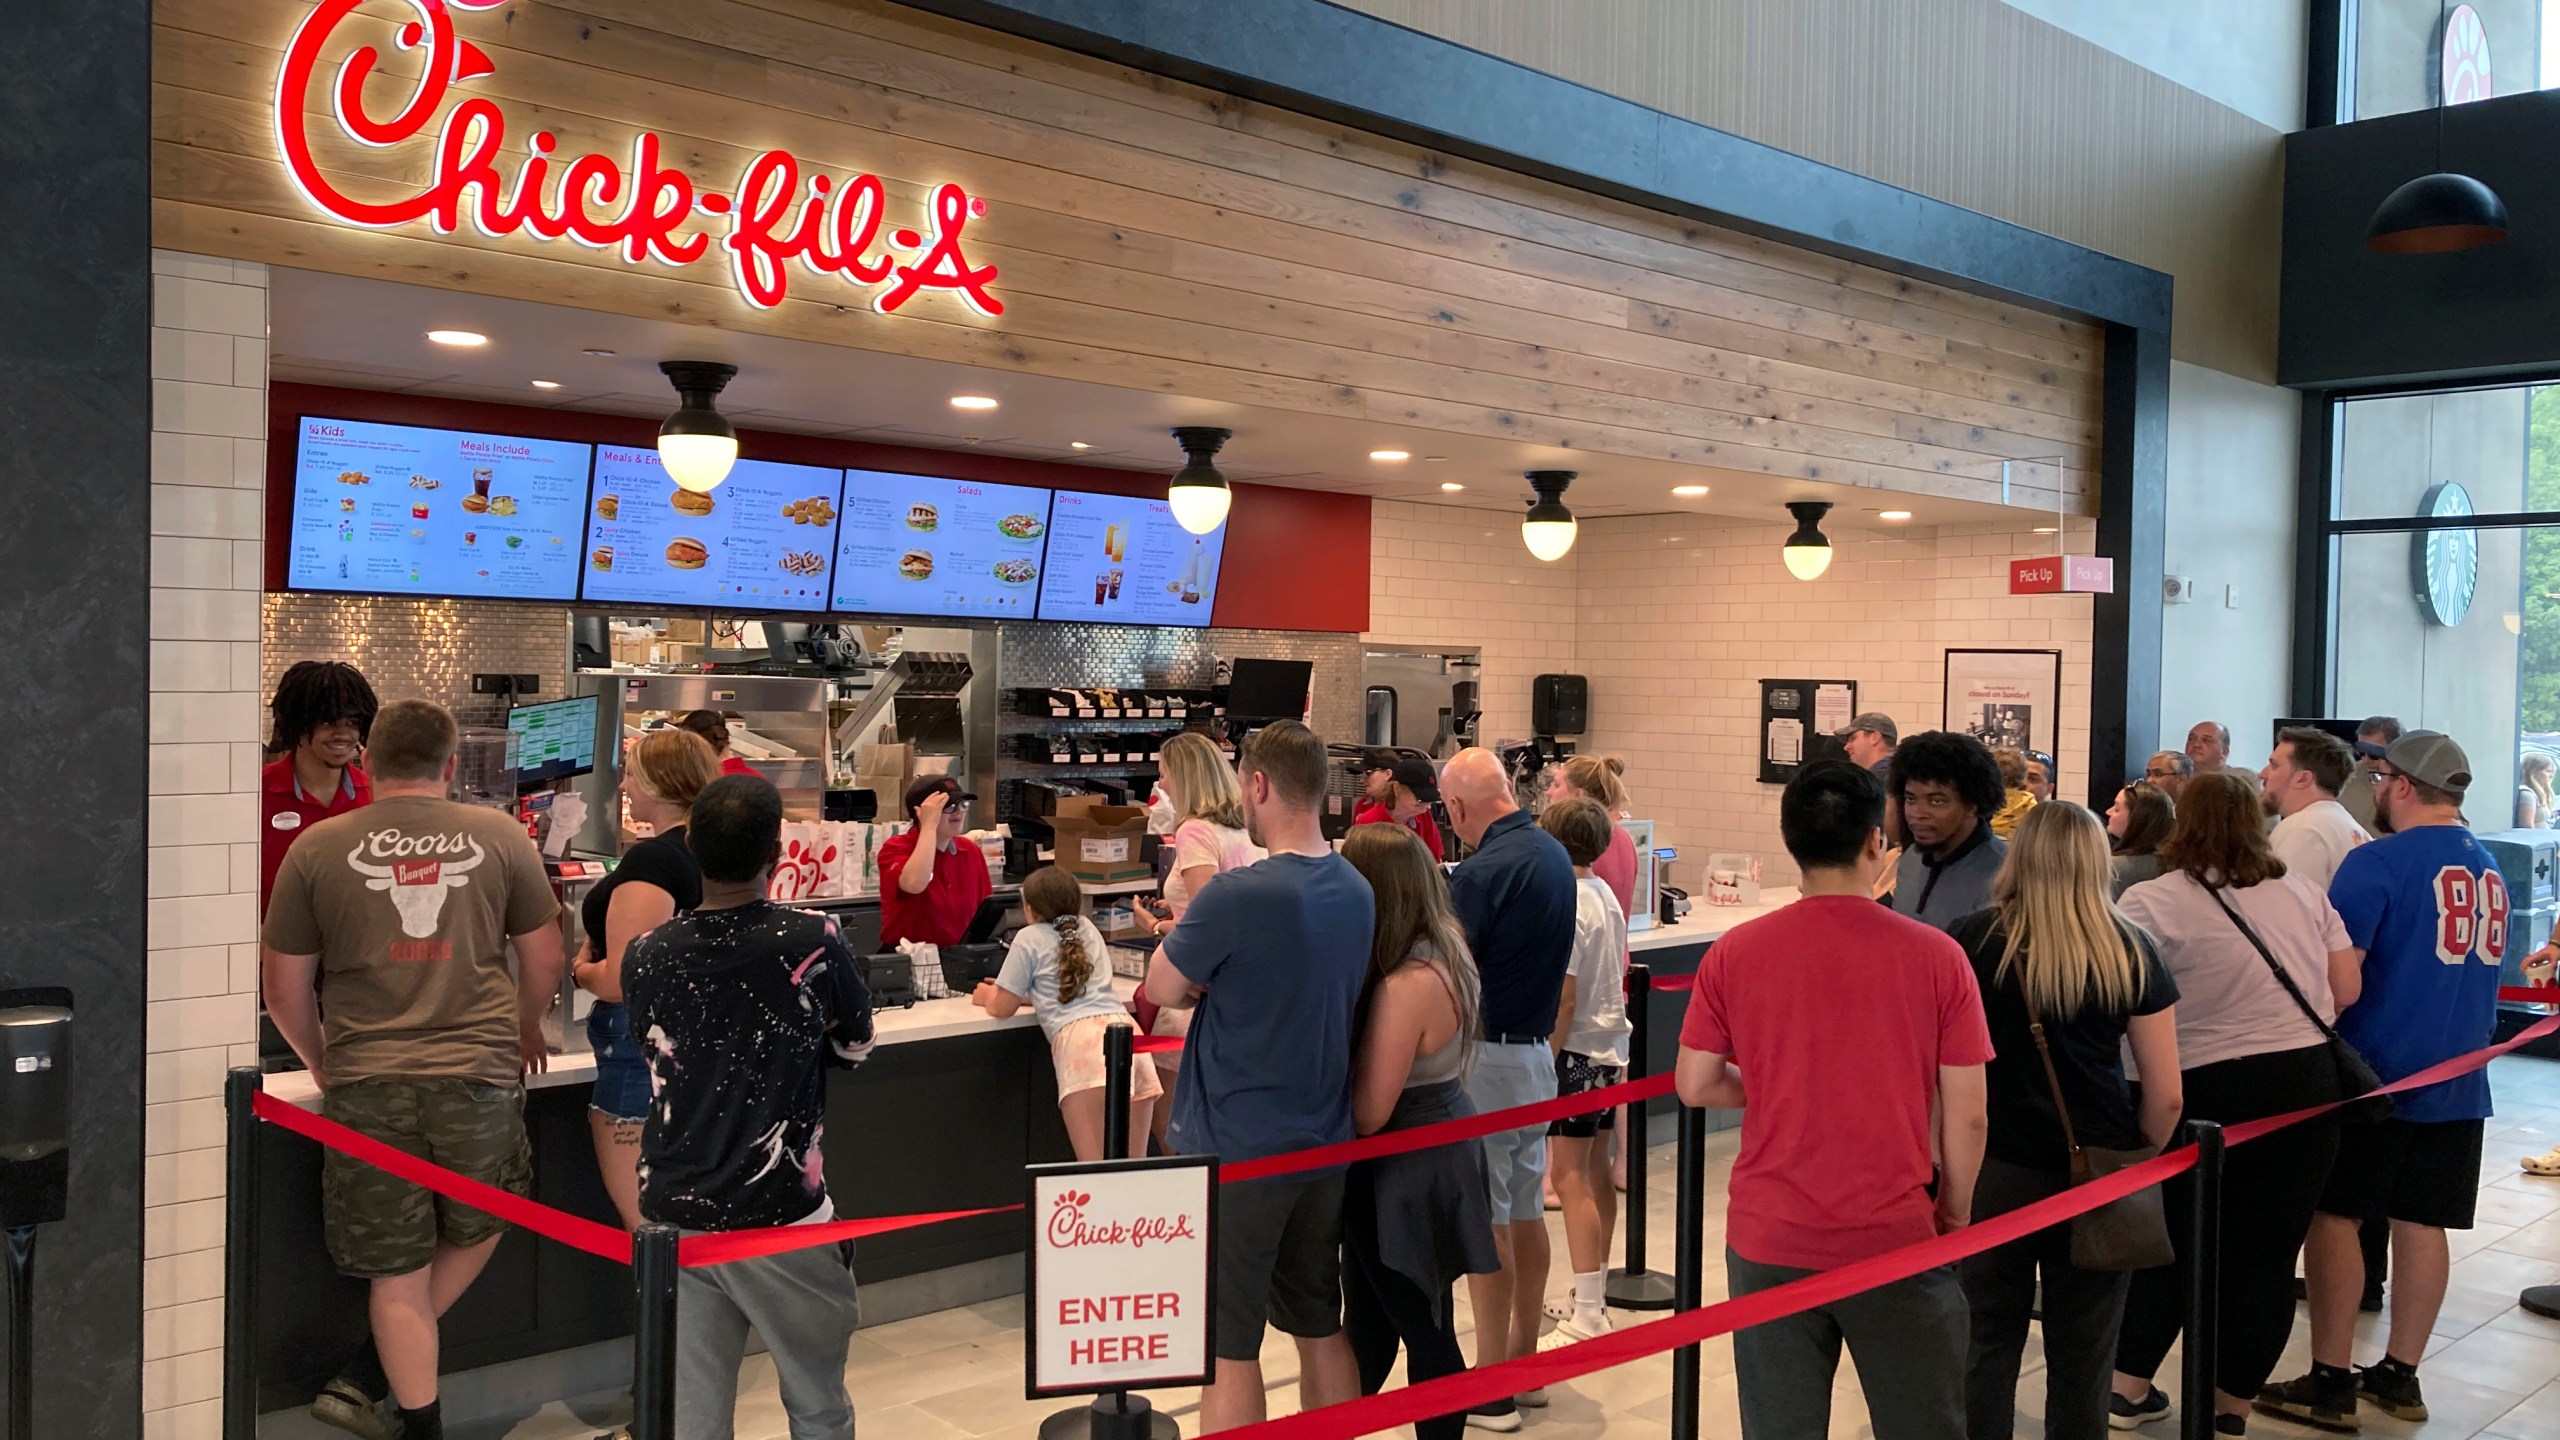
<point>917,545</point>
<point>1125,559</point>
<point>763,541</point>
<point>398,510</point>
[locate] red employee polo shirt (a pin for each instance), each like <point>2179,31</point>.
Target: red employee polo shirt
<point>1838,1012</point>
<point>284,812</point>
<point>1370,812</point>
<point>939,916</point>
<point>732,765</point>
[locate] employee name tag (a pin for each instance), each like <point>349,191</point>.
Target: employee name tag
<point>1104,852</point>
<point>287,820</point>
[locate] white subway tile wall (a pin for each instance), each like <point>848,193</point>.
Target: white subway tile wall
<point>208,474</point>
<point>1676,620</point>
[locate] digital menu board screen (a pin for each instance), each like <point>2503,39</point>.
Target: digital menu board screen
<point>918,545</point>
<point>764,540</point>
<point>399,510</point>
<point>1124,559</point>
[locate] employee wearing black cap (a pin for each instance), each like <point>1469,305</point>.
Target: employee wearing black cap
<point>1411,788</point>
<point>930,887</point>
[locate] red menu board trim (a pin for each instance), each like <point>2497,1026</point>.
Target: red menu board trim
<point>1295,559</point>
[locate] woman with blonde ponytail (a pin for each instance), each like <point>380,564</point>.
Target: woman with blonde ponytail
<point>2065,975</point>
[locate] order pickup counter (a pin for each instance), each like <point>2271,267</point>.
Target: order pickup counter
<point>944,1116</point>
<point>1674,952</point>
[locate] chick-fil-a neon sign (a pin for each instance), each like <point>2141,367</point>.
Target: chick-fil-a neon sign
<point>777,213</point>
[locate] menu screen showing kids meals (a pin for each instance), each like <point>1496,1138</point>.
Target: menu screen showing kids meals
<point>397,510</point>
<point>918,545</point>
<point>1124,559</point>
<point>763,541</point>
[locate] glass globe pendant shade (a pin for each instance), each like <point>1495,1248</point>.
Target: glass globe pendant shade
<point>1549,528</point>
<point>1807,552</point>
<point>697,444</point>
<point>1198,494</point>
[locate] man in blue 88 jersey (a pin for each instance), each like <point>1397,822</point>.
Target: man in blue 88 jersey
<point>2427,909</point>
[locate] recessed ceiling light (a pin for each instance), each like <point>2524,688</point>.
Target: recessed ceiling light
<point>546,384</point>
<point>1452,486</point>
<point>598,354</point>
<point>457,337</point>
<point>1433,459</point>
<point>1691,490</point>
<point>973,402</point>
<point>1078,445</point>
<point>1893,514</point>
<point>1390,454</point>
<point>2047,530</point>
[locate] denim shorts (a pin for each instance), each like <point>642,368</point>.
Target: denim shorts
<point>622,1077</point>
<point>1515,1161</point>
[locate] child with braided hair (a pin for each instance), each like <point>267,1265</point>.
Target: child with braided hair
<point>1056,968</point>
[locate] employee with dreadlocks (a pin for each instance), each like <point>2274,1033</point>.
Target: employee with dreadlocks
<point>322,712</point>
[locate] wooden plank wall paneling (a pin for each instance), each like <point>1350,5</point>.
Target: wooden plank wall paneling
<point>1161,237</point>
<point>1973,102</point>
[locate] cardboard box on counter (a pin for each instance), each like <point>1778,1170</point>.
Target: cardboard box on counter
<point>1101,844</point>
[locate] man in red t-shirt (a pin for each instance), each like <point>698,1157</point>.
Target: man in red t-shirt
<point>321,714</point>
<point>1833,1025</point>
<point>1405,798</point>
<point>930,888</point>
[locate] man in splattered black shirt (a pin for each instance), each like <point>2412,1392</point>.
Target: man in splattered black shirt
<point>740,1005</point>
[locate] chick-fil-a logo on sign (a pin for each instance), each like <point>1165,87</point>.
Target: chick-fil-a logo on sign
<point>775,214</point>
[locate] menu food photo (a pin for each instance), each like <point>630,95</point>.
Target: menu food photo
<point>1125,559</point>
<point>401,510</point>
<point>923,545</point>
<point>764,540</point>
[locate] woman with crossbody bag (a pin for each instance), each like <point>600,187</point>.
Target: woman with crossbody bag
<point>2066,984</point>
<point>2251,1049</point>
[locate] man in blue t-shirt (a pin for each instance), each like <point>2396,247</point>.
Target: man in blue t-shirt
<point>2427,912</point>
<point>1273,955</point>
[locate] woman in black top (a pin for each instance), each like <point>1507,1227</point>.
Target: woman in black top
<point>655,880</point>
<point>2053,946</point>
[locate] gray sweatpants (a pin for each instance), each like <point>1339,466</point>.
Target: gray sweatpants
<point>1908,1340</point>
<point>803,1303</point>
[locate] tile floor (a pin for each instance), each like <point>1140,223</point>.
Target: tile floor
<point>2493,1371</point>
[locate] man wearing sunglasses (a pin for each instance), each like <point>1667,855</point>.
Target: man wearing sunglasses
<point>2427,912</point>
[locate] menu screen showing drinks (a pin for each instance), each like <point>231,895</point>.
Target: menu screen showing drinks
<point>397,510</point>
<point>917,545</point>
<point>764,540</point>
<point>1124,559</point>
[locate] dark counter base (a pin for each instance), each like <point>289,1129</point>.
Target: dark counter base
<point>924,1126</point>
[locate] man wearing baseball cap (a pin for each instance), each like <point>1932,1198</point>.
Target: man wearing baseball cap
<point>1411,788</point>
<point>1870,739</point>
<point>2426,911</point>
<point>930,880</point>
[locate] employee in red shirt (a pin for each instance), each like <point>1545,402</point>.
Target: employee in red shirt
<point>320,715</point>
<point>1842,1106</point>
<point>930,879</point>
<point>713,726</point>
<point>1405,798</point>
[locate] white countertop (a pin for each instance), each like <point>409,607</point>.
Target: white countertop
<point>924,1020</point>
<point>1706,922</point>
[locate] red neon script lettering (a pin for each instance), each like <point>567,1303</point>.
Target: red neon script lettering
<point>644,210</point>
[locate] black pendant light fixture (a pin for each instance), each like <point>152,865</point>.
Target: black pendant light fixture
<point>1198,493</point>
<point>1548,529</point>
<point>2443,212</point>
<point>1807,551</point>
<point>697,444</point>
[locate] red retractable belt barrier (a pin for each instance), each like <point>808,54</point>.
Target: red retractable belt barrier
<point>1154,1044</point>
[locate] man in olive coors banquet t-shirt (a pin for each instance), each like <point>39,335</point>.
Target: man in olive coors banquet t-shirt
<point>396,920</point>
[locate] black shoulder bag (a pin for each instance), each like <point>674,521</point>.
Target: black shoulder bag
<point>2127,1234</point>
<point>2357,1079</point>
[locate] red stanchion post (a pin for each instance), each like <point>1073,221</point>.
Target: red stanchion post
<point>2204,1282</point>
<point>1633,1287</point>
<point>653,1340</point>
<point>240,1254</point>
<point>1689,1259</point>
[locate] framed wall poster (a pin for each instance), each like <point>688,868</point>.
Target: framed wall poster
<point>2006,697</point>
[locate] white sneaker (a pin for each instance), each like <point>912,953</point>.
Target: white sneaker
<point>1533,1399</point>
<point>1500,1416</point>
<point>1572,1331</point>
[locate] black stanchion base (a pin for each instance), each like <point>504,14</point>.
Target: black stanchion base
<point>1639,1290</point>
<point>1106,1420</point>
<point>2543,1300</point>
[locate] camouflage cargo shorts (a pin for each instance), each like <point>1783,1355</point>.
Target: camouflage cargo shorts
<point>378,1225</point>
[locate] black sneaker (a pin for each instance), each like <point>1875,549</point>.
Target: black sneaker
<point>1501,1416</point>
<point>342,1403</point>
<point>2123,1414</point>
<point>2371,1301</point>
<point>2393,1388</point>
<point>2326,1401</point>
<point>2230,1424</point>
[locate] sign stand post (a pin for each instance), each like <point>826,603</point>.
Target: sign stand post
<point>1114,1414</point>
